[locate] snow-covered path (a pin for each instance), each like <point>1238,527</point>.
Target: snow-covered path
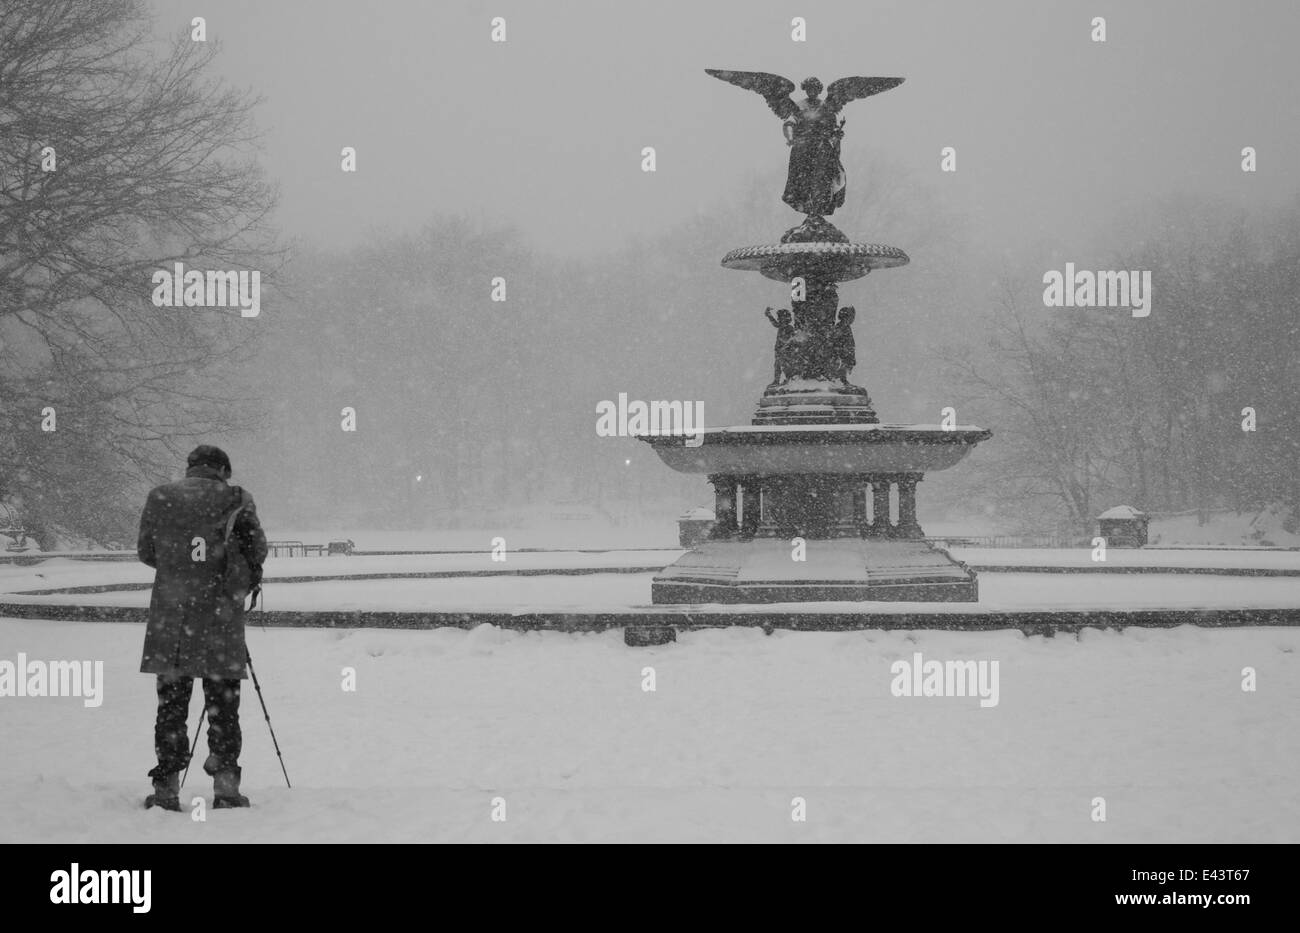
<point>443,721</point>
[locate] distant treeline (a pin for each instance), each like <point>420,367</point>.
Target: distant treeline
<point>1194,406</point>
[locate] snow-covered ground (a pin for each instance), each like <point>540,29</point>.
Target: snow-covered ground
<point>60,572</point>
<point>557,526</point>
<point>1265,527</point>
<point>442,722</point>
<point>1199,557</point>
<point>557,725</point>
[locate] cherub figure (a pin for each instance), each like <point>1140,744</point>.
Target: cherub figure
<point>782,353</point>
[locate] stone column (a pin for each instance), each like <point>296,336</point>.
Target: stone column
<point>860,506</point>
<point>880,526</point>
<point>724,505</point>
<point>908,527</point>
<point>750,490</point>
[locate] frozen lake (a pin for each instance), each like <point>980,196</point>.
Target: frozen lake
<point>600,589</point>
<point>631,591</point>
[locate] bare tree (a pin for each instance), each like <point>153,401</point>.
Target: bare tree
<point>117,157</point>
<point>1096,407</point>
<point>1045,385</point>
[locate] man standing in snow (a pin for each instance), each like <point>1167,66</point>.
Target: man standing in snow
<point>203,537</point>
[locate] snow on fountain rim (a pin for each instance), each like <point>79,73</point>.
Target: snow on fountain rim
<point>846,428</point>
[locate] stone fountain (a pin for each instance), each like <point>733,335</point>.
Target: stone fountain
<point>816,464</point>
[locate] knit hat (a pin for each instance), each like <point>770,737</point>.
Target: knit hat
<point>208,455</point>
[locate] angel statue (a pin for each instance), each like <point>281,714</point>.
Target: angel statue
<point>813,129</point>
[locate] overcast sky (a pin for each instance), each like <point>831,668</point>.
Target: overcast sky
<point>1054,133</point>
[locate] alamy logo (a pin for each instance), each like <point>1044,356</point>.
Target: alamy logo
<point>921,678</point>
<point>53,679</point>
<point>637,418</point>
<point>1084,289</point>
<point>87,886</point>
<point>215,289</point>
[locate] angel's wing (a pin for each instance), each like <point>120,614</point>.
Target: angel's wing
<point>775,89</point>
<point>846,89</point>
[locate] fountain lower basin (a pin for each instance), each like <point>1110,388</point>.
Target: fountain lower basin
<point>825,448</point>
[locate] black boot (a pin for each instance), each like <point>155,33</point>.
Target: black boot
<point>166,793</point>
<point>225,790</point>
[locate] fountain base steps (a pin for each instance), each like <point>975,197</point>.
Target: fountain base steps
<point>764,570</point>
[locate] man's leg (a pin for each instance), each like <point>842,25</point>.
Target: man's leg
<point>225,741</point>
<point>170,741</point>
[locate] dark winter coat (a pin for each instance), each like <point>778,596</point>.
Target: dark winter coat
<point>195,629</point>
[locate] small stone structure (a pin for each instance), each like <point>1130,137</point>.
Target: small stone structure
<point>1124,526</point>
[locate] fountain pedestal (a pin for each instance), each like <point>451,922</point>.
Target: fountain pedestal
<point>848,492</point>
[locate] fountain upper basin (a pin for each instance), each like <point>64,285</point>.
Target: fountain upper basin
<point>840,262</point>
<point>823,448</point>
